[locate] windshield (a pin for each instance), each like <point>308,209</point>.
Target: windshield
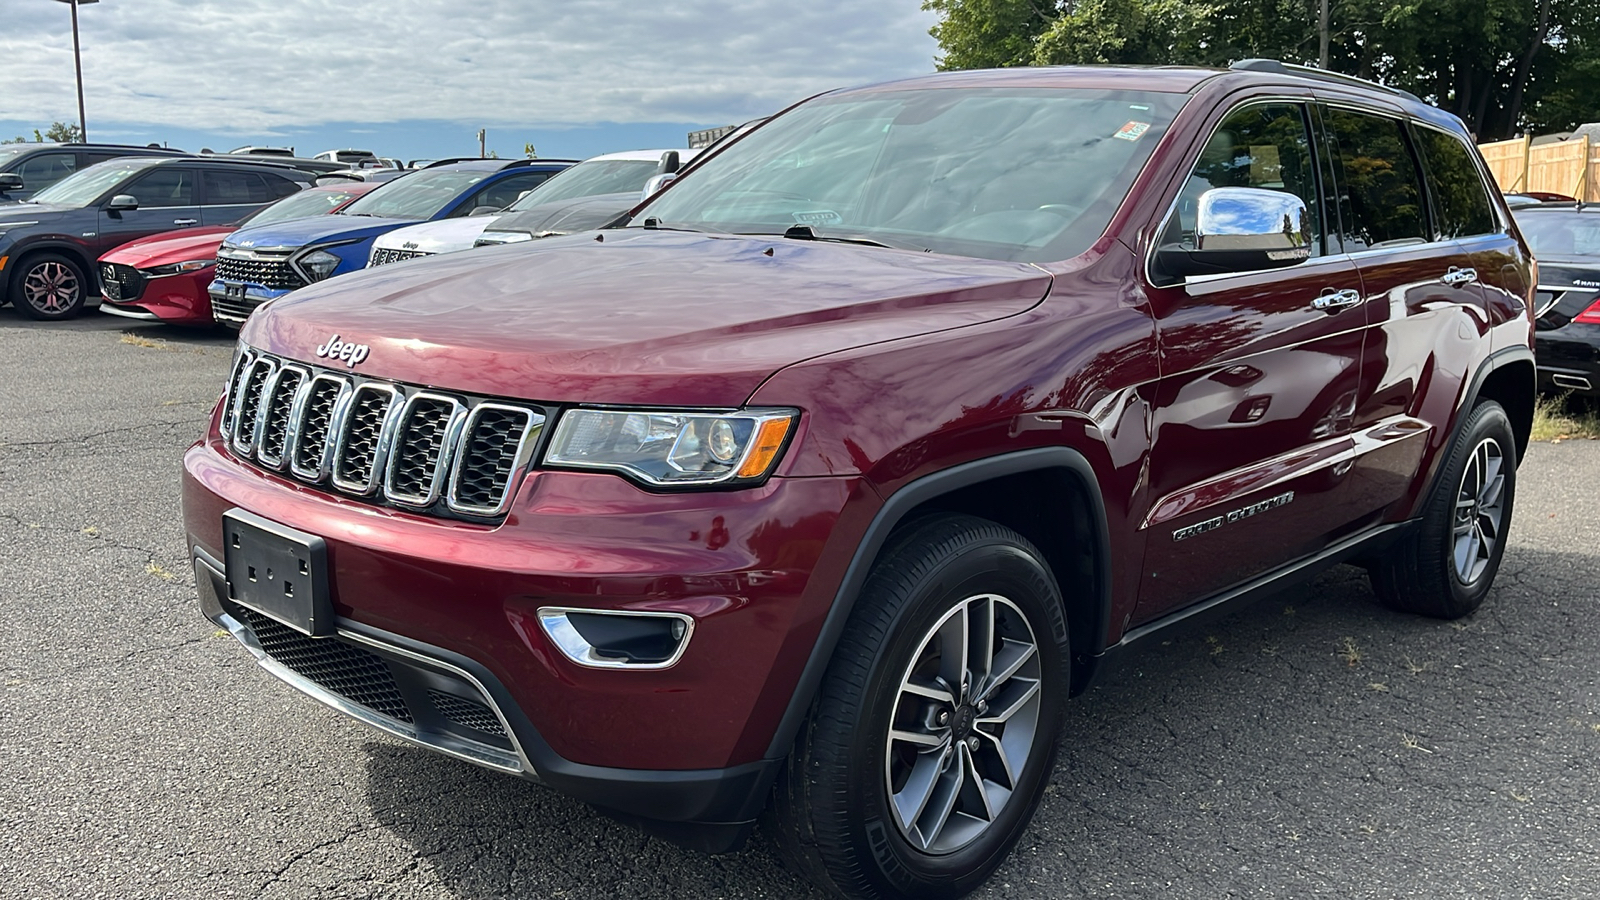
<point>1027,174</point>
<point>297,206</point>
<point>597,176</point>
<point>419,196</point>
<point>83,187</point>
<point>1560,234</point>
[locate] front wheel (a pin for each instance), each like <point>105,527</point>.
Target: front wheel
<point>933,735</point>
<point>49,286</point>
<point>1446,567</point>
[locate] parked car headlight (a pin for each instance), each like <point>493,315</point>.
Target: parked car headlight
<point>317,265</point>
<point>673,449</point>
<point>192,265</point>
<point>502,237</point>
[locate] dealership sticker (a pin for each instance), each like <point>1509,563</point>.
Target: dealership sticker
<point>1132,131</point>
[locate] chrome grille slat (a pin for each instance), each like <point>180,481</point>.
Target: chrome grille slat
<point>423,450</point>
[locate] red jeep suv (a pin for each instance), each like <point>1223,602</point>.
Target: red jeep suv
<point>817,488</point>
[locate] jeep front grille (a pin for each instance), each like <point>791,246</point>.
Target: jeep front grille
<point>378,440</point>
<point>382,256</point>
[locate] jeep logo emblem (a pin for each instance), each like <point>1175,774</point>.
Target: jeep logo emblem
<point>409,245</point>
<point>344,351</point>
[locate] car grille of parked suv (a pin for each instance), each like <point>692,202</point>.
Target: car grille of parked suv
<point>382,256</point>
<point>422,450</point>
<point>276,274</point>
<point>121,283</point>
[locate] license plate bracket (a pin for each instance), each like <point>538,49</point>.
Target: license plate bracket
<point>278,571</point>
<point>233,291</point>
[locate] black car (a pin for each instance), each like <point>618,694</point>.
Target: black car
<point>48,245</point>
<point>1565,238</point>
<point>34,167</point>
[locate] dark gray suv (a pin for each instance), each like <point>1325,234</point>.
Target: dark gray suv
<point>27,169</point>
<point>48,245</point>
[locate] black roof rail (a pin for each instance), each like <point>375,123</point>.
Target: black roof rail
<point>509,162</point>
<point>1278,67</point>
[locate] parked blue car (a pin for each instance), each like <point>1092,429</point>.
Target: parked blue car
<point>255,265</point>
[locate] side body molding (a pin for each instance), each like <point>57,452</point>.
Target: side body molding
<point>894,511</point>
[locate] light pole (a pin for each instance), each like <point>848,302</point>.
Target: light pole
<point>77,62</point>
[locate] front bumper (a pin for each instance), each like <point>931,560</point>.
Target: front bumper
<point>448,607</point>
<point>175,299</point>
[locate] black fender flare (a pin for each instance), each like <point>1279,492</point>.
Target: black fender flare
<point>892,513</point>
<point>1469,398</point>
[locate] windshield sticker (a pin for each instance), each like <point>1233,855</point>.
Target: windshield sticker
<point>1132,131</point>
<point>818,217</point>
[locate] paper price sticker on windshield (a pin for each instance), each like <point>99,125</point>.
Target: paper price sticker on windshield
<point>1132,131</point>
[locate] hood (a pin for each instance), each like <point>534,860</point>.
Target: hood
<point>642,317</point>
<point>170,247</point>
<point>443,236</point>
<point>28,211</point>
<point>568,216</point>
<point>296,233</point>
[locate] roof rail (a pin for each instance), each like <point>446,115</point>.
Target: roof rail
<point>1278,67</point>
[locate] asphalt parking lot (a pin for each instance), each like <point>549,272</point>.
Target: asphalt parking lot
<point>1312,745</point>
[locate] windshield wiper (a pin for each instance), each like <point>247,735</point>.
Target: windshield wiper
<point>807,233</point>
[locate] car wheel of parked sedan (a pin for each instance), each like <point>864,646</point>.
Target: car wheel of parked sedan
<point>933,734</point>
<point>49,286</point>
<point>1446,567</point>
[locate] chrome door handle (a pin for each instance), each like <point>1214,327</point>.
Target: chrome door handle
<point>1457,276</point>
<point>186,221</point>
<point>1333,300</point>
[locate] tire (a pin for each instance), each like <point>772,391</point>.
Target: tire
<point>49,286</point>
<point>1446,567</point>
<point>834,813</point>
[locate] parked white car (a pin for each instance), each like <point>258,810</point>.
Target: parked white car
<point>610,173</point>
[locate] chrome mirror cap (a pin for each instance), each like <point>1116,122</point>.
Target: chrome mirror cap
<point>1242,218</point>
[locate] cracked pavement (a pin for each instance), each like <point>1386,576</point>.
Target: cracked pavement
<point>1314,744</point>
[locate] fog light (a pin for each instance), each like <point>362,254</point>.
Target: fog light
<point>612,639</point>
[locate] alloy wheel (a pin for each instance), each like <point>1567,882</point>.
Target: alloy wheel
<point>1480,511</point>
<point>963,724</point>
<point>52,287</point>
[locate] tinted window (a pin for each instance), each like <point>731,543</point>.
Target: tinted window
<point>236,189</point>
<point>39,172</point>
<point>1261,146</point>
<point>282,187</point>
<point>1013,173</point>
<point>1380,195</point>
<point>1560,233</point>
<point>1459,197</point>
<point>166,186</point>
<point>505,192</point>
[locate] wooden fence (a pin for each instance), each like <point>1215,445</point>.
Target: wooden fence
<point>1561,167</point>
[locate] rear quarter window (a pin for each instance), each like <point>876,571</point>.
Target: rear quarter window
<point>1460,198</point>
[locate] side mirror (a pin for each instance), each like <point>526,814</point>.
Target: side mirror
<point>122,202</point>
<point>1240,229</point>
<point>656,183</point>
<point>10,181</point>
<point>670,163</point>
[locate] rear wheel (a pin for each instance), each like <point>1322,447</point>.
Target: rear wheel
<point>49,286</point>
<point>1446,568</point>
<point>934,732</point>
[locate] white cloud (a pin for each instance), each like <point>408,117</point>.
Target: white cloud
<point>254,65</point>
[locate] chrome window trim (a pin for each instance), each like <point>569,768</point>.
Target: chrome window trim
<point>519,461</point>
<point>447,451</point>
<point>379,452</point>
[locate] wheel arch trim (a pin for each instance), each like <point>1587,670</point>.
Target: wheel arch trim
<point>1496,361</point>
<point>894,511</point>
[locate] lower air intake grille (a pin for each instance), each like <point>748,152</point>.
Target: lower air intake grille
<point>467,713</point>
<point>351,672</point>
<point>120,283</point>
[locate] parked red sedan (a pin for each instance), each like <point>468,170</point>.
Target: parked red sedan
<point>164,277</point>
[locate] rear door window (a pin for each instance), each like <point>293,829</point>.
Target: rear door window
<point>1380,189</point>
<point>1460,200</point>
<point>236,189</point>
<point>46,169</point>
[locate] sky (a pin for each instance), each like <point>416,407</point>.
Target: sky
<point>418,78</point>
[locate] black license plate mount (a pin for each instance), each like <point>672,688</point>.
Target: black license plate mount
<point>278,571</point>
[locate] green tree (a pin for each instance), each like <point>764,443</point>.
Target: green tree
<point>1501,65</point>
<point>58,132</point>
<point>529,151</point>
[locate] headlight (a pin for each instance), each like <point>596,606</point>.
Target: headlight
<point>193,265</point>
<point>502,237</point>
<point>317,265</point>
<point>673,449</point>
